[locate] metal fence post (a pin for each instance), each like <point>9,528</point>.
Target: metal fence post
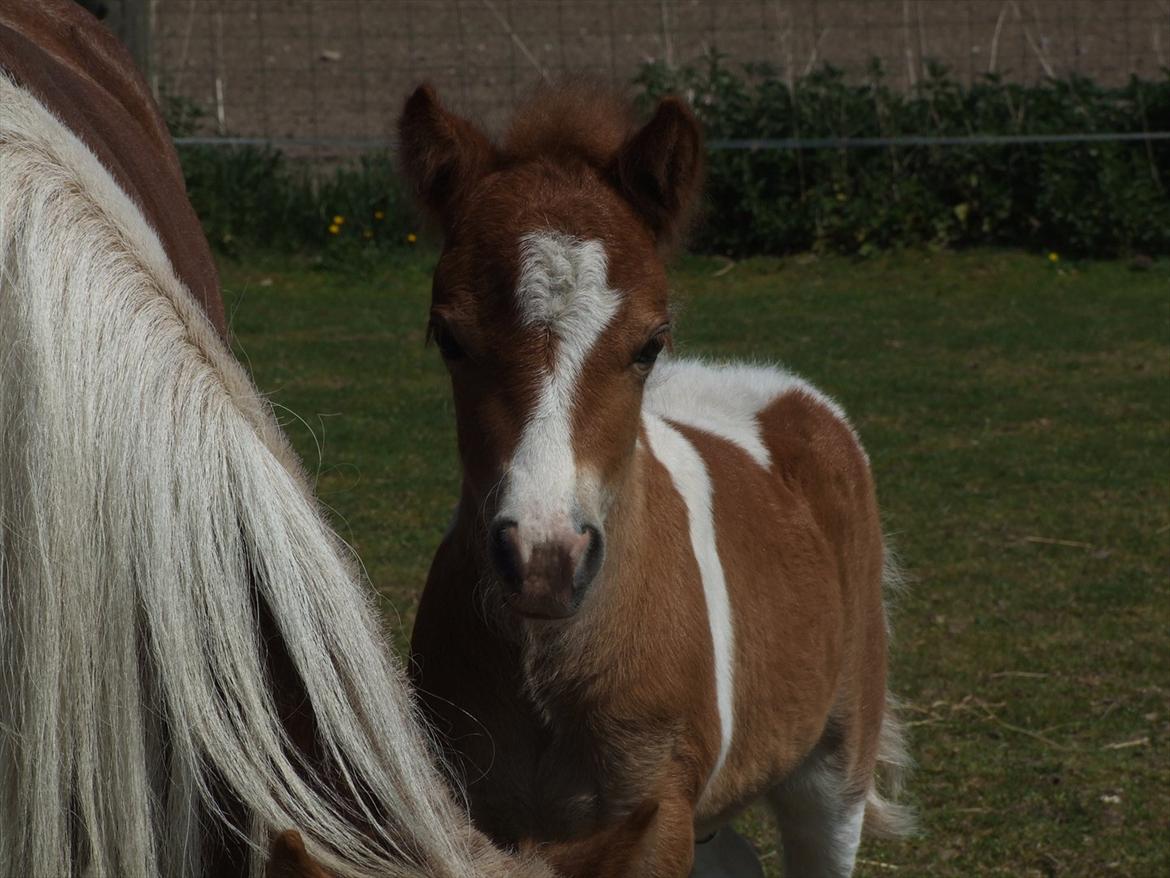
<point>133,28</point>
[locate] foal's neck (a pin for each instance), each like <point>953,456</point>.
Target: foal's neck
<point>615,593</point>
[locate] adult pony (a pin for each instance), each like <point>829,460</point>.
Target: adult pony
<point>661,596</point>
<point>188,659</point>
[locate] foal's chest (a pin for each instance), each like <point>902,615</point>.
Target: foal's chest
<point>596,765</point>
<point>614,730</point>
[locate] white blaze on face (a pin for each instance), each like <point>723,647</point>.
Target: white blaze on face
<point>563,289</point>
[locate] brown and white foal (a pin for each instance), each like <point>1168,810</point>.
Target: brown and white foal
<point>661,595</point>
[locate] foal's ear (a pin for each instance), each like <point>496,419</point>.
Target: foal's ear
<point>442,155</point>
<point>289,859</point>
<point>660,169</point>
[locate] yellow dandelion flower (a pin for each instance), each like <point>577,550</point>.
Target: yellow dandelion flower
<point>334,229</point>
<point>1054,257</point>
<point>379,214</point>
<point>338,220</point>
<point>411,237</point>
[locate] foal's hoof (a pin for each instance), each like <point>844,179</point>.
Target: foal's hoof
<point>289,859</point>
<point>726,855</point>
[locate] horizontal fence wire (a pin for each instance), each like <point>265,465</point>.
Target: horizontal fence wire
<point>331,75</point>
<point>794,143</point>
<point>785,144</point>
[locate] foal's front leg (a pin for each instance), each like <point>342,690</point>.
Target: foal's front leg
<point>656,841</point>
<point>673,852</point>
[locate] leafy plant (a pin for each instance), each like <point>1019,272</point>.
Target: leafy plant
<point>257,196</point>
<point>248,196</point>
<point>1100,198</point>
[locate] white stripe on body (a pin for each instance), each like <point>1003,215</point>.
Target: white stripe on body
<point>689,476</point>
<point>562,287</point>
<point>726,399</point>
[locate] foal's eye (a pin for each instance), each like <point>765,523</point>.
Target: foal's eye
<point>650,351</point>
<point>446,342</point>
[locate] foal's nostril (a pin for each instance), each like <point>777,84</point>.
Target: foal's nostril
<point>594,555</point>
<point>547,580</point>
<point>503,545</point>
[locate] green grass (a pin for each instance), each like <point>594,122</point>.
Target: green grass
<point>1018,417</point>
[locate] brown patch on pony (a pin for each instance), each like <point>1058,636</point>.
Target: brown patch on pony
<point>289,859</point>
<point>610,853</point>
<point>789,636</point>
<point>86,78</point>
<point>824,463</point>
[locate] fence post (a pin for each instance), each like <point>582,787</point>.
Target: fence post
<point>134,30</point>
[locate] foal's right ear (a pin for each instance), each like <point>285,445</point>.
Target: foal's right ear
<point>442,155</point>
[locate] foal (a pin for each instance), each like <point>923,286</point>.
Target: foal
<point>661,595</point>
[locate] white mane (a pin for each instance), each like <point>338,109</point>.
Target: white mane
<point>148,505</point>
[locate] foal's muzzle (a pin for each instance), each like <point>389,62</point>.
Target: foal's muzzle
<point>546,580</point>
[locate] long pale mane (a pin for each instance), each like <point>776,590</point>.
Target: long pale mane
<point>150,513</point>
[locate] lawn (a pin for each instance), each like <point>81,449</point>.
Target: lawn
<point>1017,413</point>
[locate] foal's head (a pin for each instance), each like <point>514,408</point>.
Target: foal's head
<point>549,307</point>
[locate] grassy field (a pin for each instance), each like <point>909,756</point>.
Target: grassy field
<point>1017,413</point>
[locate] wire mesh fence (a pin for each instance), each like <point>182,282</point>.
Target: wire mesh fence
<point>328,76</point>
<point>842,125</point>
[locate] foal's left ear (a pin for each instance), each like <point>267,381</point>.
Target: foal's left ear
<point>289,859</point>
<point>660,169</point>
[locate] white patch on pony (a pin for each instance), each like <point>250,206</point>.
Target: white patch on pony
<point>562,288</point>
<point>690,478</point>
<point>847,837</point>
<point>726,399</point>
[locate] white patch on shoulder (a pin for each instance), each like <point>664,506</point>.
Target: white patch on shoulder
<point>563,286</point>
<point>726,399</point>
<point>691,480</point>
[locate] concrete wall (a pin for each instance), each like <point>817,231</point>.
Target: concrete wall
<point>340,68</point>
